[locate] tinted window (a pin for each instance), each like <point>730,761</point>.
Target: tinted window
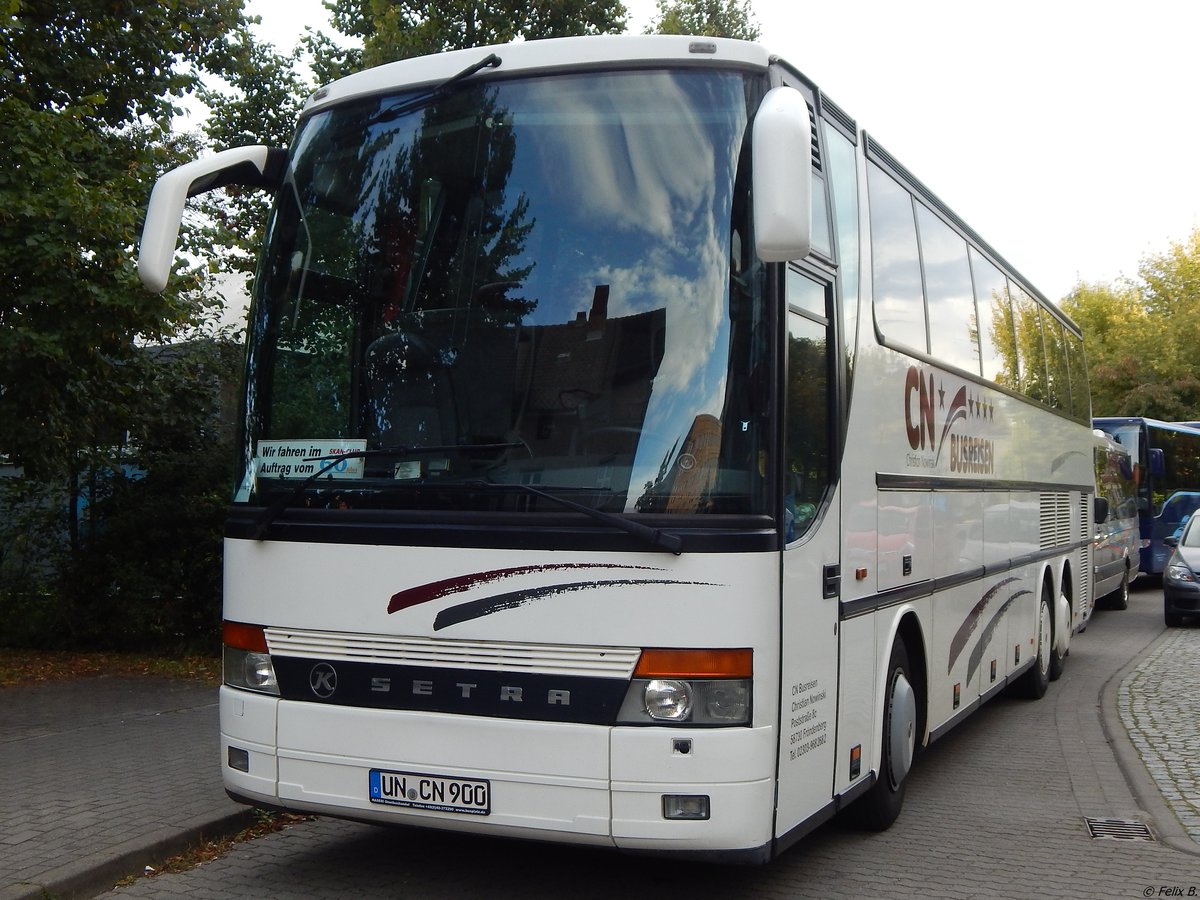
<point>806,455</point>
<point>948,293</point>
<point>1056,362</point>
<point>843,184</point>
<point>821,240</point>
<point>895,263</point>
<point>1030,349</point>
<point>996,338</point>
<point>1081,398</point>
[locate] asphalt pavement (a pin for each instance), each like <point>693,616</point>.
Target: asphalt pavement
<point>101,777</point>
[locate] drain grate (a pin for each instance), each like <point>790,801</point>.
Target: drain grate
<point>1118,829</point>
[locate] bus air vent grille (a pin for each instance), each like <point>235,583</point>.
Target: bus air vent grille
<point>1055,520</point>
<point>1085,574</point>
<point>549,659</point>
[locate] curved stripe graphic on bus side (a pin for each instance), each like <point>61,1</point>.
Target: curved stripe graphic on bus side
<point>967,628</point>
<point>977,654</point>
<point>437,589</point>
<point>475,609</point>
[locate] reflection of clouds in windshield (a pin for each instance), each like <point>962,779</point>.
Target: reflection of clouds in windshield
<point>620,165</point>
<point>694,300</point>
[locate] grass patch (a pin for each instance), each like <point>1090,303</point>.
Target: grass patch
<point>34,666</point>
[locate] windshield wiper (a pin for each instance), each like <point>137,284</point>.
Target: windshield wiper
<point>490,61</point>
<point>652,536</point>
<point>271,513</point>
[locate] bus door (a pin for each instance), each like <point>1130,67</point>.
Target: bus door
<point>812,542</point>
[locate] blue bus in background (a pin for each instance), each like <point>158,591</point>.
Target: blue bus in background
<point>1166,468</point>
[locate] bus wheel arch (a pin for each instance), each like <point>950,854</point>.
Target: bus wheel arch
<point>902,729</point>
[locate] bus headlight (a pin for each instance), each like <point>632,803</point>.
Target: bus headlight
<point>246,662</point>
<point>686,702</point>
<point>668,700</point>
<point>250,671</point>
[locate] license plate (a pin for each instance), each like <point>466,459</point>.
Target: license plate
<point>418,790</point>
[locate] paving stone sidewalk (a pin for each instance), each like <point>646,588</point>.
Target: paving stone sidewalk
<point>102,776</point>
<point>1159,705</point>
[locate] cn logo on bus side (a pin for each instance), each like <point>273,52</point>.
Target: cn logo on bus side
<point>921,432</point>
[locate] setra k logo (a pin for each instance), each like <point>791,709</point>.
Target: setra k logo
<point>323,680</point>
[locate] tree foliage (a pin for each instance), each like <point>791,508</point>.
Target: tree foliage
<point>84,91</point>
<point>401,29</point>
<point>1141,336</point>
<point>257,104</point>
<point>708,18</point>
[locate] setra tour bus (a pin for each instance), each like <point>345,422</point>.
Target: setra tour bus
<point>634,454</point>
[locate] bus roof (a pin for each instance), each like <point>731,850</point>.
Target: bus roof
<point>551,53</point>
<point>1113,421</point>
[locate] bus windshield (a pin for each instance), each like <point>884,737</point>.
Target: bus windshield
<point>539,281</point>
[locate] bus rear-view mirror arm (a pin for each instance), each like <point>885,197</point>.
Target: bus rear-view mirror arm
<point>782,188</point>
<point>257,166</point>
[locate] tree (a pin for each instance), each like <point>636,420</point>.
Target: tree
<point>86,94</point>
<point>401,29</point>
<point>85,91</point>
<point>1141,336</point>
<point>709,18</point>
<point>258,104</point>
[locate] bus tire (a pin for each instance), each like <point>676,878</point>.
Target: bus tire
<point>1034,682</point>
<point>877,809</point>
<point>1119,599</point>
<point>1061,630</point>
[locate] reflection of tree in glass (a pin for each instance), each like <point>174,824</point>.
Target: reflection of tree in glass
<point>405,227</point>
<point>443,231</point>
<point>807,423</point>
<point>1004,341</point>
<point>1031,351</point>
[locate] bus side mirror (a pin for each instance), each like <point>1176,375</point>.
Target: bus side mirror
<point>782,187</point>
<point>1158,465</point>
<point>256,166</point>
<point>1100,512</point>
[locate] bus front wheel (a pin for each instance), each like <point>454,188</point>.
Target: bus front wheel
<point>880,806</point>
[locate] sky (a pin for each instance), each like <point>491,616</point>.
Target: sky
<point>1063,132</point>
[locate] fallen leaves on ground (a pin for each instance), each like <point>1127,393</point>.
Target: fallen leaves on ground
<point>32,666</point>
<point>209,850</point>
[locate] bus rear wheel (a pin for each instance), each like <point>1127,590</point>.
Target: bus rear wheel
<point>1034,682</point>
<point>880,806</point>
<point>1060,633</point>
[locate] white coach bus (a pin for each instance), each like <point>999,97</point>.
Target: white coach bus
<point>634,454</point>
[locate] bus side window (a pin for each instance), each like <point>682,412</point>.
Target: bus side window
<point>948,292</point>
<point>1030,348</point>
<point>899,298</point>
<point>806,451</point>
<point>994,314</point>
